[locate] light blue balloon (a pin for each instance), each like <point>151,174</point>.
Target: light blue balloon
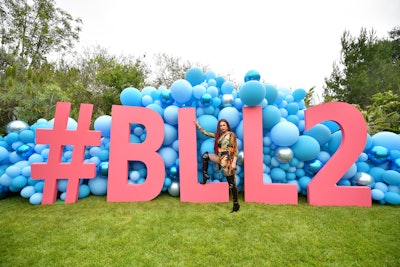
<point>27,136</point>
<point>334,142</point>
<point>227,87</point>
<point>306,148</point>
<point>198,91</point>
<point>232,115</point>
<point>389,140</point>
<point>376,173</point>
<point>208,123</point>
<point>213,91</point>
<point>19,182</point>
<point>103,124</point>
<point>157,108</point>
<point>181,91</point>
<point>3,153</point>
<point>36,198</point>
<point>271,116</point>
<point>210,75</point>
<point>194,76</point>
<point>207,146</point>
<point>293,119</point>
<point>292,108</point>
<point>377,194</point>
<point>284,134</point>
<point>147,100</point>
<point>27,191</point>
<point>62,185</point>
<point>303,182</point>
<point>13,171</point>
<point>171,115</point>
<point>350,172</point>
<point>131,97</point>
<point>98,186</point>
<point>252,93</point>
<point>170,134</point>
<point>168,155</point>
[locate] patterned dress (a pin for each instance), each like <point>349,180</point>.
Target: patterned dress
<point>227,150</point>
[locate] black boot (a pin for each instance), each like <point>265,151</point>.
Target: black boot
<point>234,191</point>
<point>205,167</point>
<point>236,207</point>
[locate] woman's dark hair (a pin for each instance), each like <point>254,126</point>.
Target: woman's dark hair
<point>218,134</point>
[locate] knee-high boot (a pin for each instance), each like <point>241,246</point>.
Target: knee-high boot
<point>205,158</point>
<point>234,190</point>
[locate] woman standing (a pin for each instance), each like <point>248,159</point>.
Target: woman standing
<point>225,155</point>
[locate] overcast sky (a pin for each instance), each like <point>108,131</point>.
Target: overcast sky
<point>292,43</point>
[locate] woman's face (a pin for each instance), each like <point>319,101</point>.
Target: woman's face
<point>223,127</point>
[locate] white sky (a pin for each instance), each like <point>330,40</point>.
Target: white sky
<point>292,43</point>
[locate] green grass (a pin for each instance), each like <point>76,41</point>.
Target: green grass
<point>167,232</point>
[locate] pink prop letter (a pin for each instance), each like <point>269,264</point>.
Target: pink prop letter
<point>122,151</point>
<point>322,189</point>
<point>256,190</point>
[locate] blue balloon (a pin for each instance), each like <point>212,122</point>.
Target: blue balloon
<point>206,99</point>
<point>84,191</point>
<point>271,116</point>
<point>131,97</point>
<point>25,151</point>
<point>284,134</point>
<point>252,93</point>
<point>170,134</point>
<point>306,148</point>
<point>392,198</point>
<point>292,108</point>
<point>377,194</point>
<point>213,91</point>
<point>391,177</point>
<point>98,186</point>
<point>210,75</point>
<point>252,75</point>
<point>181,91</point>
<point>198,91</point>
<point>171,115</point>
<point>227,87</point>
<point>389,140</point>
<point>27,191</point>
<point>319,132</point>
<point>376,173</point>
<point>278,175</point>
<point>168,155</point>
<point>36,198</point>
<point>103,124</point>
<point>27,136</point>
<point>194,76</point>
<point>299,94</point>
<point>231,114</point>
<point>378,154</point>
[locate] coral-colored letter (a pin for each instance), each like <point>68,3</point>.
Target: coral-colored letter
<point>122,151</point>
<point>190,189</point>
<point>255,189</point>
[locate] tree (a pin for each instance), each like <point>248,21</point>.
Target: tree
<point>32,30</point>
<point>367,66</point>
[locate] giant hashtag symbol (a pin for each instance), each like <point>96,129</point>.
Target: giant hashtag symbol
<point>57,138</point>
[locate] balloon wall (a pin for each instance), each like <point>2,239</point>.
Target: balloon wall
<point>290,154</point>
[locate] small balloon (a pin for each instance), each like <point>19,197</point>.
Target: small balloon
<point>240,158</point>
<point>252,75</point>
<point>284,154</point>
<point>174,189</point>
<point>25,151</point>
<point>362,178</point>
<point>16,126</point>
<point>173,171</point>
<point>103,168</point>
<point>227,100</point>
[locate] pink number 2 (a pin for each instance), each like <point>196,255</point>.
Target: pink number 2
<point>322,190</point>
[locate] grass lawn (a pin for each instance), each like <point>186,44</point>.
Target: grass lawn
<point>167,232</point>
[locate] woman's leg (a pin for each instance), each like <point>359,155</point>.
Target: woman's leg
<point>234,190</point>
<point>205,158</point>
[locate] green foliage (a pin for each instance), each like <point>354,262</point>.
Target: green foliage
<point>367,66</point>
<point>31,30</point>
<point>167,232</point>
<point>384,113</point>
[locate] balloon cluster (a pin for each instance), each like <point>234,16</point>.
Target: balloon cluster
<point>290,154</point>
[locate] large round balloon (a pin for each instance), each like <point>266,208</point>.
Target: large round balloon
<point>181,91</point>
<point>252,93</point>
<point>231,114</point>
<point>386,139</point>
<point>284,133</point>
<point>103,124</point>
<point>306,148</point>
<point>131,97</point>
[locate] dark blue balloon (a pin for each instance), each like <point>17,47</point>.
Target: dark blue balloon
<point>25,151</point>
<point>252,75</point>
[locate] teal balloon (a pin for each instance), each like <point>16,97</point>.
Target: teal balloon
<point>271,93</point>
<point>270,116</point>
<point>391,177</point>
<point>321,133</point>
<point>299,94</point>
<point>206,99</point>
<point>392,198</point>
<point>252,75</point>
<point>252,93</point>
<point>194,76</point>
<point>306,148</point>
<point>292,108</point>
<point>278,175</point>
<point>84,191</point>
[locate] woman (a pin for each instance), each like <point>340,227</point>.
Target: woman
<point>225,155</point>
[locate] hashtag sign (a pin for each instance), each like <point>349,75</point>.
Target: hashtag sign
<point>57,138</point>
